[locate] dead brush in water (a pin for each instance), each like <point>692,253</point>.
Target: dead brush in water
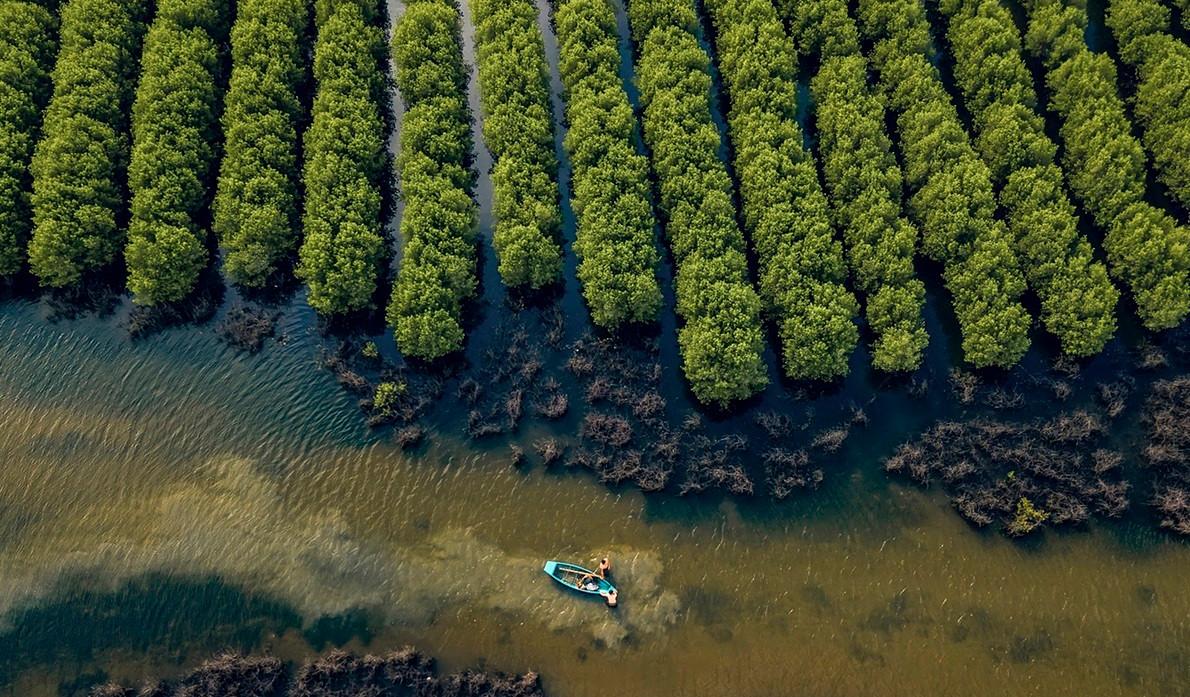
<point>1167,420</point>
<point>408,436</point>
<point>338,674</point>
<point>621,466</point>
<point>247,327</point>
<point>965,385</point>
<point>989,466</point>
<point>650,405</point>
<point>1151,357</point>
<point>715,464</point>
<point>549,449</point>
<point>787,471</point>
<point>1114,397</point>
<point>226,674</point>
<point>513,370</point>
<point>554,405</point>
<point>1000,398</point>
<point>774,424</point>
<point>345,374</point>
<point>607,429</point>
<point>831,439</point>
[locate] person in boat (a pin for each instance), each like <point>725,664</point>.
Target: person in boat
<point>604,570</point>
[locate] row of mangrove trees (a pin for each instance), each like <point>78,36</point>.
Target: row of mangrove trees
<point>168,121</point>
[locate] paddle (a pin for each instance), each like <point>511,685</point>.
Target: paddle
<point>583,575</point>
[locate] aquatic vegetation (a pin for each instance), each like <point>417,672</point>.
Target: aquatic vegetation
<point>256,209</point>
<point>28,35</point>
<point>510,381</point>
<point>387,395</point>
<point>408,436</point>
<point>518,128</point>
<point>344,245</point>
<point>246,328</point>
<point>1105,165</point>
<point>716,463</point>
<point>549,449</point>
<point>437,272</point>
<point>614,238</point>
<point>953,199</point>
<point>80,162</point>
<point>864,182</point>
<point>1077,299</point>
<point>619,440</point>
<point>174,132</point>
<point>721,340</point>
<point>1167,415</point>
<point>989,466</point>
<point>336,673</point>
<point>1027,519</point>
<point>785,212</point>
<point>787,471</point>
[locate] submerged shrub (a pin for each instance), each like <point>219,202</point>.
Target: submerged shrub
<point>1027,519</point>
<point>387,395</point>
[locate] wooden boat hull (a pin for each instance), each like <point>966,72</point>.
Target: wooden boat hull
<point>569,574</point>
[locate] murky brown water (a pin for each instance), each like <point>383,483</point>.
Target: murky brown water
<point>173,458</point>
<point>163,499</point>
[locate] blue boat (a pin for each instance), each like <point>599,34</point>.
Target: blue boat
<point>570,575</point>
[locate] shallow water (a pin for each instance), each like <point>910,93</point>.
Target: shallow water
<point>167,497</point>
<point>162,499</point>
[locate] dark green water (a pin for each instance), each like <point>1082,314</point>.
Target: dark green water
<point>166,497</point>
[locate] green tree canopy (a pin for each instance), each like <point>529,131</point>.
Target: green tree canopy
<point>256,207</point>
<point>952,198</point>
<point>615,241</point>
<point>802,271</point>
<point>1162,63</point>
<point>720,339</point>
<point>1146,248</point>
<point>438,225</point>
<point>344,245</point>
<point>518,128</point>
<point>1077,298</point>
<point>28,34</point>
<point>80,162</point>
<point>174,135</point>
<point>865,183</point>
